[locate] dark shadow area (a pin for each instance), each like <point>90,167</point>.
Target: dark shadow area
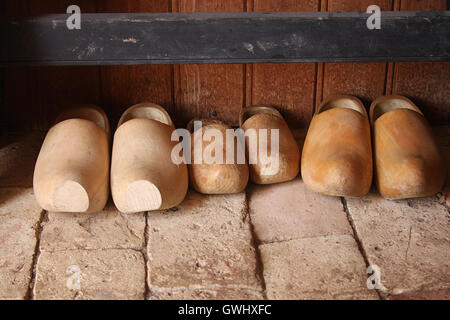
<point>18,154</point>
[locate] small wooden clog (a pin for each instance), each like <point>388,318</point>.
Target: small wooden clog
<point>408,162</point>
<point>72,169</point>
<point>143,175</point>
<point>265,117</point>
<point>337,154</point>
<point>216,178</point>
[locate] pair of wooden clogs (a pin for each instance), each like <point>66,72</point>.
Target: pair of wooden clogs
<point>72,170</point>
<point>337,154</point>
<point>264,163</point>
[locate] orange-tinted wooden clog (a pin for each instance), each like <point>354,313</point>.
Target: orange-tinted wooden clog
<point>337,153</point>
<point>408,162</point>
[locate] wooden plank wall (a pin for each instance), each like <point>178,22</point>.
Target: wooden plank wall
<point>35,95</point>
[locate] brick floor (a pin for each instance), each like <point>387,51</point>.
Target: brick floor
<point>278,242</point>
<point>205,242</point>
<point>443,294</point>
<point>408,239</point>
<point>19,217</point>
<point>90,274</point>
<point>108,229</point>
<point>328,267</point>
<point>289,210</point>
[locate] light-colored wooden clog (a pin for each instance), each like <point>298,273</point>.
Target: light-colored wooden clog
<point>216,178</point>
<point>408,162</point>
<point>143,175</point>
<point>337,154</point>
<point>72,169</point>
<point>288,159</point>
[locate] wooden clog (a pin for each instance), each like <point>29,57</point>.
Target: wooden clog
<point>408,162</point>
<point>216,178</point>
<point>265,172</point>
<point>337,154</point>
<point>143,176</point>
<point>72,169</point>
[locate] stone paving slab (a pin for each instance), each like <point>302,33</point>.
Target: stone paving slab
<point>19,217</point>
<point>207,294</point>
<point>101,230</point>
<point>315,268</point>
<point>90,274</point>
<point>18,155</point>
<point>206,241</point>
<point>423,295</point>
<point>290,210</point>
<point>408,240</point>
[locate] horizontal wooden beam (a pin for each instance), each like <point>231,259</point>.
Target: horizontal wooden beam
<point>181,38</point>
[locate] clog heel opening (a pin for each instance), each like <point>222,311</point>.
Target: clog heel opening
<point>86,112</point>
<point>146,111</point>
<point>248,112</point>
<point>343,103</point>
<point>385,105</point>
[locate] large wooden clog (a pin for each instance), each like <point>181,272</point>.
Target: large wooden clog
<point>408,162</point>
<point>72,169</point>
<point>261,120</point>
<point>215,178</point>
<point>337,154</point>
<point>143,175</point>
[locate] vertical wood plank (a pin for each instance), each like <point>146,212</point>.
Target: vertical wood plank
<point>320,68</point>
<point>289,87</point>
<point>364,80</point>
<point>58,88</point>
<point>391,65</point>
<point>427,83</point>
<point>123,86</point>
<point>208,90</point>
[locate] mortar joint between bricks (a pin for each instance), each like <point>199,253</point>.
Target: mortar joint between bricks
<point>37,252</point>
<point>147,289</point>
<point>358,241</point>
<point>255,243</point>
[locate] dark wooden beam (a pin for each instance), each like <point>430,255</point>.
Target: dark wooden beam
<point>175,38</point>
